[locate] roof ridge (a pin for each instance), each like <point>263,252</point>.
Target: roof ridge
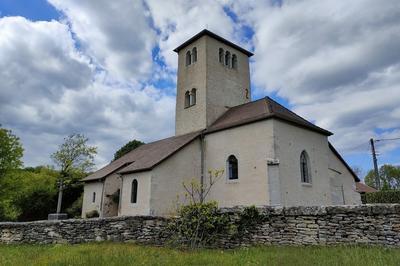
<point>290,111</point>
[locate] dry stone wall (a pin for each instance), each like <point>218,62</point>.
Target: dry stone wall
<point>364,224</point>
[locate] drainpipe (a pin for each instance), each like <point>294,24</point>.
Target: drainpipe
<point>101,199</point>
<point>202,147</point>
<point>120,195</point>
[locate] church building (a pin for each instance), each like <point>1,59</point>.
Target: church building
<point>270,155</point>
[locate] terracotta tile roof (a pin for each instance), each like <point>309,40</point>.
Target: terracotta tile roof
<point>144,157</point>
<point>363,188</point>
<point>264,108</point>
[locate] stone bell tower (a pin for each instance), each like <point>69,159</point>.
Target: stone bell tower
<point>213,75</point>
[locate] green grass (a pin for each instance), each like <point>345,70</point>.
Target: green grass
<point>130,254</point>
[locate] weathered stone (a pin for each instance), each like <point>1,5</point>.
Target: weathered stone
<point>366,224</point>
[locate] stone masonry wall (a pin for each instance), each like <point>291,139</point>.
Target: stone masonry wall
<point>365,224</point>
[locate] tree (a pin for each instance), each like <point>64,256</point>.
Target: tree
<point>130,146</point>
<point>389,176</point>
<point>73,156</point>
<point>11,151</point>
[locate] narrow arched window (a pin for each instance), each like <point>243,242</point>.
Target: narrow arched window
<point>221,55</point>
<point>134,191</point>
<point>194,54</point>
<point>232,168</point>
<point>94,197</point>
<point>188,58</point>
<point>187,99</point>
<point>234,61</point>
<point>227,58</point>
<point>193,97</point>
<point>305,167</point>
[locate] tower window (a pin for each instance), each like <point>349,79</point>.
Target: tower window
<point>187,99</point>
<point>134,191</point>
<point>227,58</point>
<point>221,55</point>
<point>305,167</point>
<point>194,55</point>
<point>188,58</point>
<point>234,61</point>
<point>232,164</point>
<point>192,99</point>
<point>94,197</point>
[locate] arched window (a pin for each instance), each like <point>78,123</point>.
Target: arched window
<point>134,191</point>
<point>94,197</point>
<point>187,99</point>
<point>194,54</point>
<point>193,97</point>
<point>188,58</point>
<point>232,168</point>
<point>305,167</point>
<point>234,61</point>
<point>227,58</point>
<point>221,55</point>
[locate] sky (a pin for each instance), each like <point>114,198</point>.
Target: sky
<point>107,69</point>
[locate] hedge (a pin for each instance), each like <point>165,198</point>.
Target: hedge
<point>386,196</point>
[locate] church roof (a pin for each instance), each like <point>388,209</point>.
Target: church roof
<point>215,36</point>
<point>145,157</point>
<point>262,109</point>
<point>363,188</point>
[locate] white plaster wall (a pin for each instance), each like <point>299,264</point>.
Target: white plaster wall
<point>290,141</point>
<point>252,144</point>
<point>192,76</point>
<point>142,207</point>
<point>217,86</point>
<point>88,204</point>
<point>342,177</point>
<point>225,86</point>
<point>167,178</point>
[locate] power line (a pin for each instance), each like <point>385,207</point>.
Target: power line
<point>387,139</point>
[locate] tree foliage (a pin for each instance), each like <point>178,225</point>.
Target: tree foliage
<point>31,194</point>
<point>389,176</point>
<point>11,151</point>
<point>385,196</point>
<point>130,146</point>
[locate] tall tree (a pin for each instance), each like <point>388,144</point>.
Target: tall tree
<point>389,176</point>
<point>130,146</point>
<point>11,151</point>
<point>74,155</point>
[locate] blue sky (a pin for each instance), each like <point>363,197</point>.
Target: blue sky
<point>107,69</point>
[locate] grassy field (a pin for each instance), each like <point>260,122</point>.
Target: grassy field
<point>130,254</point>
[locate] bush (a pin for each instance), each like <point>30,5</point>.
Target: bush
<point>92,214</point>
<point>198,224</point>
<point>36,204</point>
<point>75,210</point>
<point>387,196</point>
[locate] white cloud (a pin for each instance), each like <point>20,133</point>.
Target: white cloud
<point>116,34</point>
<point>49,90</point>
<point>337,62</point>
<point>178,20</point>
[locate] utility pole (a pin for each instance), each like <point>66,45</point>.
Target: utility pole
<point>377,181</point>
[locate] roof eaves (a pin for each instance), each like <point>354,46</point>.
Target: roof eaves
<point>215,36</point>
<point>104,176</point>
<point>356,178</point>
<point>122,172</point>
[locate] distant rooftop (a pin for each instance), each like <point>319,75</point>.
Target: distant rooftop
<point>215,36</point>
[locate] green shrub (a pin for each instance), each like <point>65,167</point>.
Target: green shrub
<point>387,196</point>
<point>198,224</point>
<point>75,210</point>
<point>92,214</point>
